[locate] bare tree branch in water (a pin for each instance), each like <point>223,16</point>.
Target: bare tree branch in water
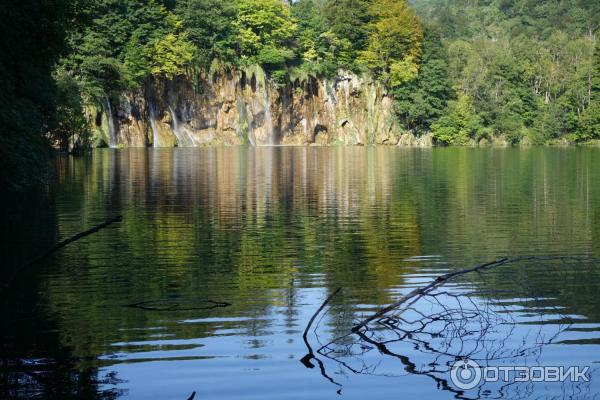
<point>440,326</point>
<point>419,292</point>
<point>306,360</point>
<point>59,246</point>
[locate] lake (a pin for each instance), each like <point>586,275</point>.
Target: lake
<point>225,254</point>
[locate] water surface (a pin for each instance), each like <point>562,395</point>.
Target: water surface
<point>128,312</point>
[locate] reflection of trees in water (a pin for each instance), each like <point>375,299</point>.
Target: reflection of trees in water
<point>567,282</point>
<point>234,224</point>
<point>435,325</point>
<point>531,201</point>
<point>245,225</point>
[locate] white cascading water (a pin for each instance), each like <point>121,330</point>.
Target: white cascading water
<point>183,139</point>
<point>155,136</point>
<point>112,136</point>
<point>268,119</point>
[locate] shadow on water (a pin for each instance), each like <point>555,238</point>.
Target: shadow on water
<point>35,362</point>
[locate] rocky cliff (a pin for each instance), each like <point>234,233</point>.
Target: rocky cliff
<point>236,107</point>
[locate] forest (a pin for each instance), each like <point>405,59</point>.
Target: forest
<point>463,70</point>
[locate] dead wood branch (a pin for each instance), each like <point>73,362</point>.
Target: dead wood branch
<point>306,360</point>
<point>312,319</point>
<point>439,281</point>
<point>431,327</point>
<point>62,244</point>
<point>74,238</point>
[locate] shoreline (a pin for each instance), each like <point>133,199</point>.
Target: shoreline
<point>590,144</point>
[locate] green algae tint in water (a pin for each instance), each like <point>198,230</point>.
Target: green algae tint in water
<point>273,231</point>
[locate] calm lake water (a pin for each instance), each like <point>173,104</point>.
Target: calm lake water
<point>224,254</point>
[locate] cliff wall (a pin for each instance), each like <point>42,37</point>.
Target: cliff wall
<point>237,107</point>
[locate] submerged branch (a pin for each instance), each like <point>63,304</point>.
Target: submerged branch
<point>306,360</point>
<point>439,281</point>
<point>62,244</point>
<point>74,238</point>
<point>312,319</point>
<point>442,325</point>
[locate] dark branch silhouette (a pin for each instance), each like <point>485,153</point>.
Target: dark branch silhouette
<point>62,244</point>
<point>439,281</point>
<point>306,360</point>
<point>443,326</point>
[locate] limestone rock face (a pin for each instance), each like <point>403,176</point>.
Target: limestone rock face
<point>236,107</point>
<point>409,140</point>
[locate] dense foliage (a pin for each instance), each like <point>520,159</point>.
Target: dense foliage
<point>464,70</point>
<point>31,38</point>
<point>520,68</point>
<point>473,70</point>
<point>123,42</point>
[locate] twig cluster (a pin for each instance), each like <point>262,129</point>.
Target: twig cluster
<point>441,326</point>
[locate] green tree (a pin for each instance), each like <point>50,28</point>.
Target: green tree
<point>421,102</point>
<point>319,50</point>
<point>458,124</point>
<point>348,19</point>
<point>169,55</point>
<point>595,74</point>
<point>210,27</point>
<point>589,123</point>
<point>265,30</point>
<point>69,128</point>
<point>123,43</point>
<point>32,37</point>
<point>546,125</point>
<point>394,42</point>
<point>525,65</point>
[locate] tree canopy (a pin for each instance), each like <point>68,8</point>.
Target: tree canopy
<point>521,68</point>
<point>394,41</point>
<point>527,68</point>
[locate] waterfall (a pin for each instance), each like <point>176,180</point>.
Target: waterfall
<point>155,135</point>
<point>176,128</point>
<point>112,135</point>
<point>268,119</point>
<point>183,139</point>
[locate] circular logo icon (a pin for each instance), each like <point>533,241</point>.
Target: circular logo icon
<point>465,374</point>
